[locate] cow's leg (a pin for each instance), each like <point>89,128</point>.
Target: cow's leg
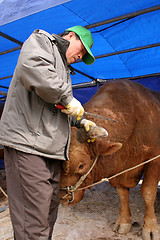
<point>149,189</point>
<point>123,223</point>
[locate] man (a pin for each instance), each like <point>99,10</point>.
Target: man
<point>35,133</point>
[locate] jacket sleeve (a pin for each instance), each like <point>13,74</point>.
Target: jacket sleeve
<point>36,70</point>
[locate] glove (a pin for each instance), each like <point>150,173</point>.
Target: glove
<point>86,124</point>
<point>74,108</point>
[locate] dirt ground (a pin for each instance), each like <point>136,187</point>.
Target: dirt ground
<point>91,219</point>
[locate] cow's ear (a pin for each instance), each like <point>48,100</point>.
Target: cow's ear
<point>107,148</point>
<point>112,148</point>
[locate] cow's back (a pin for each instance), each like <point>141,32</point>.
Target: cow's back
<point>132,105</point>
<point>137,112</point>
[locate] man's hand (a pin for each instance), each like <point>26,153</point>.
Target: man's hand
<point>87,124</point>
<point>74,108</point>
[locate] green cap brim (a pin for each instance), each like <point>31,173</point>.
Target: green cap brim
<point>88,58</point>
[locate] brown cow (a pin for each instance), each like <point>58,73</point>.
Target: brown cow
<point>133,139</point>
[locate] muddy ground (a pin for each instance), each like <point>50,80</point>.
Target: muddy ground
<point>91,219</point>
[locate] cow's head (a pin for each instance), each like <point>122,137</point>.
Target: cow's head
<point>82,155</point>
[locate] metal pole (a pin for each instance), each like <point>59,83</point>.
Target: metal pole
<point>82,73</point>
<point>102,81</point>
<point>128,50</point>
<point>10,76</point>
<point>129,15</point>
<point>11,38</point>
<point>10,50</point>
<point>125,51</point>
<point>3,93</point>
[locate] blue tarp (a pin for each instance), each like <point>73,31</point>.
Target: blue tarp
<point>1,164</point>
<point>12,10</point>
<point>120,35</point>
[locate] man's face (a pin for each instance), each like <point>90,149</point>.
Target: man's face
<point>76,49</point>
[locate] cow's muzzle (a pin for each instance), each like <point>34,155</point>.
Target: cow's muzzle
<point>71,189</point>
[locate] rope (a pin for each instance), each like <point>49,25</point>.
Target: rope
<point>120,173</point>
<point>73,188</point>
<point>3,192</point>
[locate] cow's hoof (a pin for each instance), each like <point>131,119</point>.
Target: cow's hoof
<point>122,228</point>
<point>148,235</point>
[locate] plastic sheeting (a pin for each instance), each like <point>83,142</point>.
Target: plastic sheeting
<point>12,10</point>
<point>129,33</point>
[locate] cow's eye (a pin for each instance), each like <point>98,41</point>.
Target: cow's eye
<point>81,166</point>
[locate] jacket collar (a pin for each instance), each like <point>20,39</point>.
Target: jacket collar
<point>62,45</point>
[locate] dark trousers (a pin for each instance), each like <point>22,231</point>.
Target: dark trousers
<point>33,194</point>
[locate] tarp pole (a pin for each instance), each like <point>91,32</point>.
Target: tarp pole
<point>3,93</point>
<point>129,15</point>
<point>129,50</point>
<point>82,73</point>
<point>102,81</point>
<point>10,50</point>
<point>11,38</point>
<point>2,78</point>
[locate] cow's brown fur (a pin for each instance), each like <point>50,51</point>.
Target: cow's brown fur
<point>137,110</point>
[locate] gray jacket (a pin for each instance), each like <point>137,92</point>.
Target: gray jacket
<point>30,121</point>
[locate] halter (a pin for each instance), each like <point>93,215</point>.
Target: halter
<point>71,189</point>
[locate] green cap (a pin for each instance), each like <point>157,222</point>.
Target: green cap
<point>87,40</point>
